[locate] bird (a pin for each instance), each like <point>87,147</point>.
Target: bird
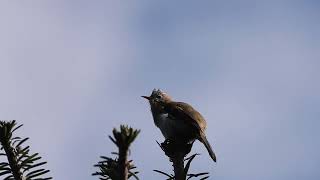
<point>178,121</point>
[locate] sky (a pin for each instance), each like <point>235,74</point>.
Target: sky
<point>71,71</point>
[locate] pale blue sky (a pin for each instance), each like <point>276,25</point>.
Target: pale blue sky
<point>72,70</point>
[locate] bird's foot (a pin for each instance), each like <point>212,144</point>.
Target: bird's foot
<point>168,141</point>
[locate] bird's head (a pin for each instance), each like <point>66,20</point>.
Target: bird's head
<point>158,98</point>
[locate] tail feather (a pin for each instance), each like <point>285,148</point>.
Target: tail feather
<point>208,147</point>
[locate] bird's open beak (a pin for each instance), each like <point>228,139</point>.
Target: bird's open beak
<point>147,97</point>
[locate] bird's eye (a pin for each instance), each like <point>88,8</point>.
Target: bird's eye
<point>158,96</point>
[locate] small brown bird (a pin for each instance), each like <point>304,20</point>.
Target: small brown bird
<point>178,121</point>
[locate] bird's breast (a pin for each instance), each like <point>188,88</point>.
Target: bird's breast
<point>171,128</point>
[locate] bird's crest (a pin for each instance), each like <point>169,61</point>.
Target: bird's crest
<point>157,93</point>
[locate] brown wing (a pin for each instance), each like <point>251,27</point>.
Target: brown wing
<point>183,111</point>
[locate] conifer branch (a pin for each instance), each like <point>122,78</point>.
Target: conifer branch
<point>21,164</point>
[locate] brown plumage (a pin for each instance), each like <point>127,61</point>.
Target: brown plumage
<point>178,120</point>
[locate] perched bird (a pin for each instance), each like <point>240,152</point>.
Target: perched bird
<point>178,121</point>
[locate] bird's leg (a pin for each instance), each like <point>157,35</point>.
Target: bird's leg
<point>176,152</point>
<point>168,141</point>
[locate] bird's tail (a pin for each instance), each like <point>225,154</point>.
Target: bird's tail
<point>208,147</point>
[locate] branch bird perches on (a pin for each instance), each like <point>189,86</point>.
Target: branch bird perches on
<point>177,153</point>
